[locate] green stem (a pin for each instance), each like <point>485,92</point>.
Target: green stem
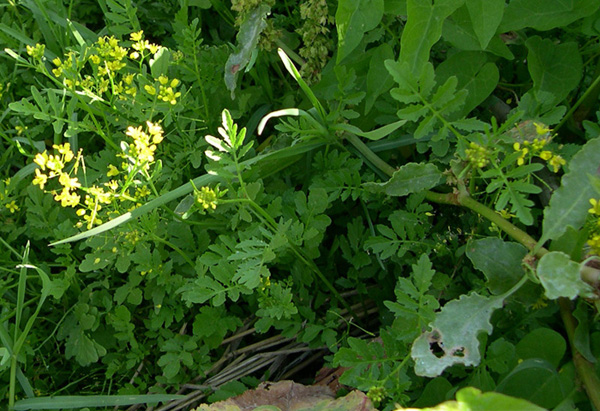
<point>585,369</point>
<point>594,88</point>
<point>370,155</point>
<point>174,247</point>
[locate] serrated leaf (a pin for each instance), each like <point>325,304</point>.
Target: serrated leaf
<point>560,276</point>
<point>353,19</point>
<point>555,68</point>
<point>499,261</point>
<point>545,14</point>
<point>570,202</point>
<point>410,178</point>
<point>455,330</point>
<point>423,29</point>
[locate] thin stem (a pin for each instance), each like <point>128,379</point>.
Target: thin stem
<point>593,88</point>
<point>370,155</point>
<point>585,369</point>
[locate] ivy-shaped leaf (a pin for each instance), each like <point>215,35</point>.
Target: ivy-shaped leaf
<point>486,16</point>
<point>545,14</point>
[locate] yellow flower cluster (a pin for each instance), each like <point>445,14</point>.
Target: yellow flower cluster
<point>207,198</point>
<point>9,204</point>
<point>535,148</point>
<point>37,51</point>
<point>108,60</point>
<point>141,45</point>
<point>166,90</point>
<point>140,152</point>
<point>53,166</point>
<point>594,237</point>
<point>477,155</point>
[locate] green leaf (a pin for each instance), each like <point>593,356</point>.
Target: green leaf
<point>486,16</point>
<point>247,41</point>
<point>560,276</point>
<point>453,336</point>
<point>353,19</point>
<point>80,401</point>
<point>379,80</point>
<point>435,392</point>
<point>473,399</point>
<point>534,380</point>
<point>545,14</point>
<point>555,68</point>
<point>159,64</point>
<point>373,135</point>
<point>500,262</point>
<point>552,350</point>
<point>581,336</point>
<point>458,30</point>
<point>423,29</point>
<point>474,73</point>
<point>569,204</point>
<point>410,178</point>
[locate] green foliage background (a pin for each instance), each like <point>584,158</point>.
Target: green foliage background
<point>404,185</point>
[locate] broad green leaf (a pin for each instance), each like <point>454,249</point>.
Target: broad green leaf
<point>534,380</point>
<point>454,331</point>
<point>553,349</point>
<point>560,276</point>
<point>474,73</point>
<point>379,79</point>
<point>247,40</point>
<point>423,29</point>
<point>159,64</point>
<point>474,399</point>
<point>353,19</point>
<point>555,68</point>
<point>569,204</point>
<point>458,30</point>
<point>500,262</point>
<point>486,16</point>
<point>80,401</point>
<point>410,178</point>
<point>435,392</point>
<point>581,336</point>
<point>545,14</point>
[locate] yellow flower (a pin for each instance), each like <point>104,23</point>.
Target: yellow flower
<point>541,129</point>
<point>65,150</point>
<point>12,206</point>
<point>150,89</point>
<point>556,162</point>
<point>40,179</point>
<point>137,36</point>
<point>41,159</point>
<point>68,182</point>
<point>546,155</point>
<point>595,207</point>
<point>67,199</point>
<point>112,171</point>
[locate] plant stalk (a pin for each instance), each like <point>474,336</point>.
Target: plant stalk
<point>585,369</point>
